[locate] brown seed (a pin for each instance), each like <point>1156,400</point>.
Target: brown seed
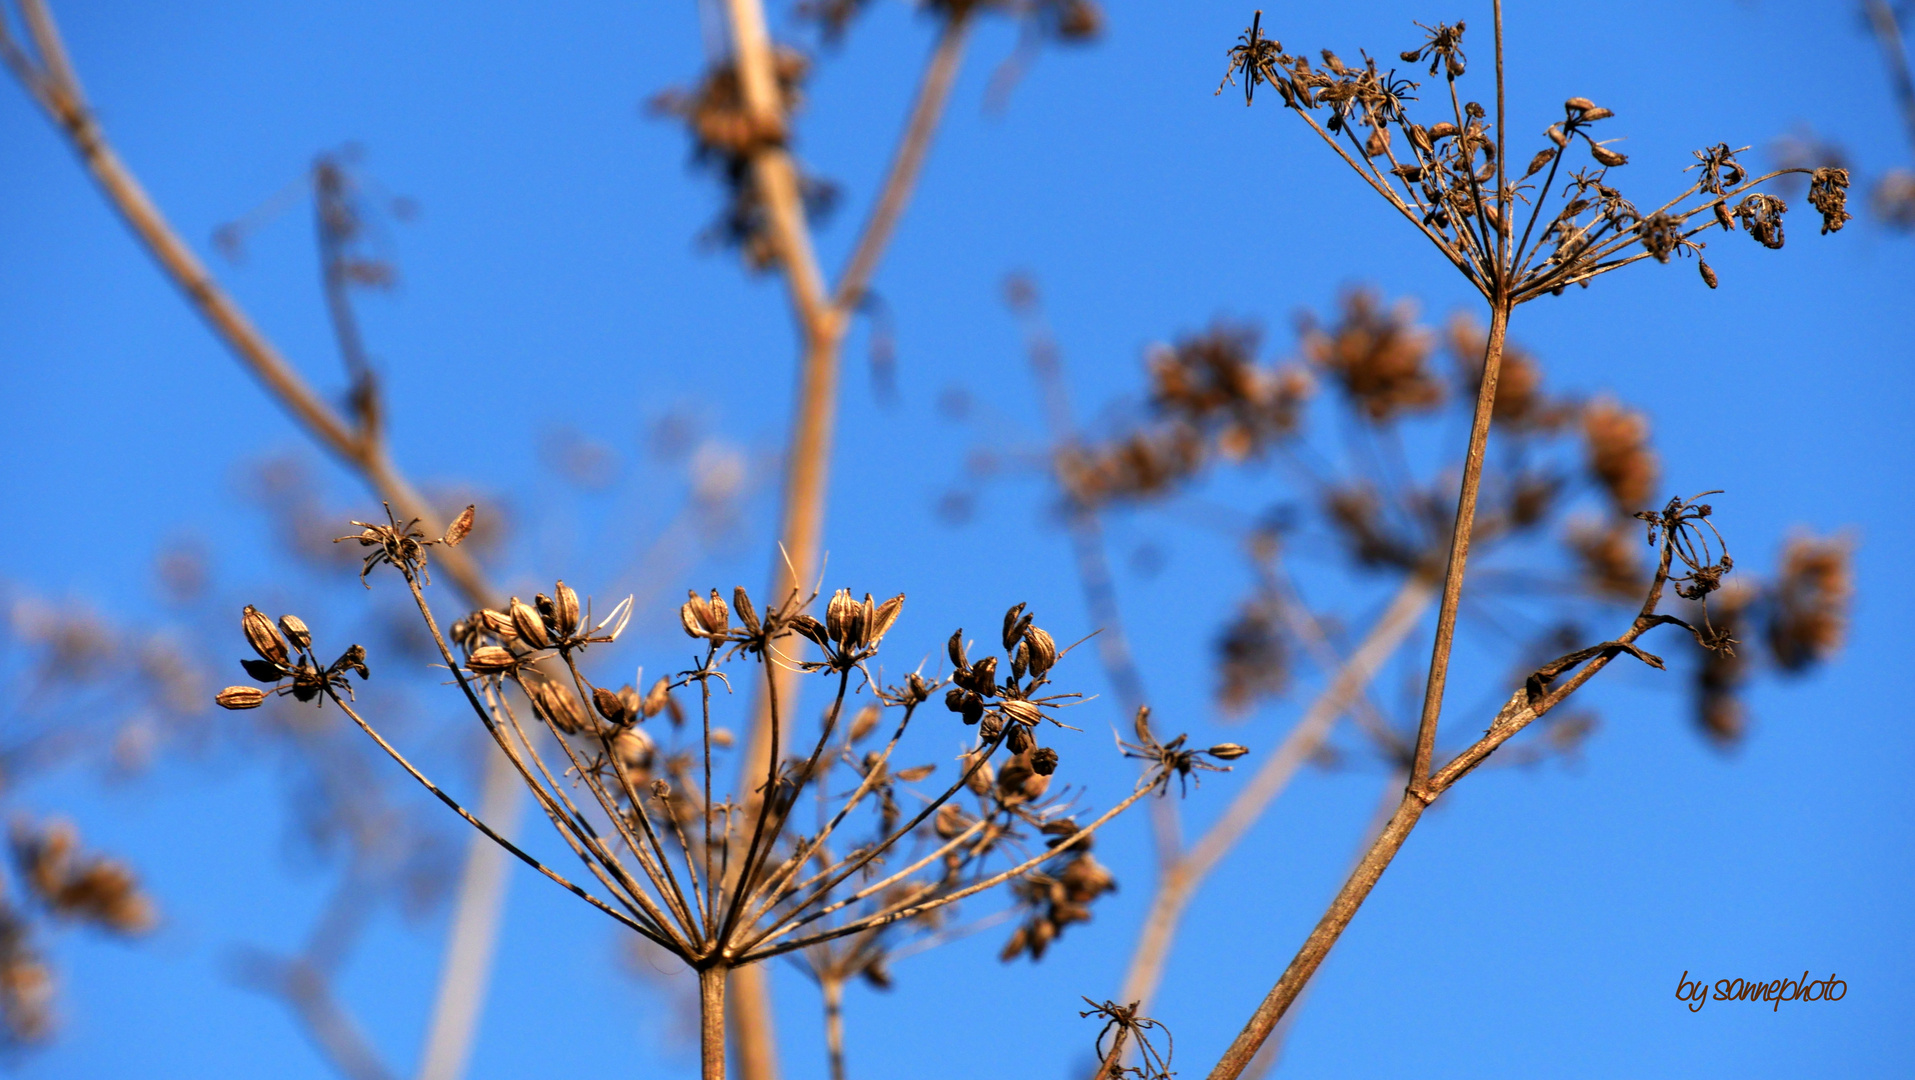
<point>240,697</point>
<point>1592,115</point>
<point>1556,135</point>
<point>884,618</point>
<point>1542,158</point>
<point>1579,104</point>
<point>1018,739</point>
<point>609,705</point>
<point>1443,130</point>
<point>460,526</point>
<point>1044,761</point>
<point>491,660</point>
<point>262,637</point>
<point>525,620</point>
<point>565,609</point>
<point>719,613</point>
<point>1228,751</point>
<point>1708,274</point>
<point>658,696</point>
<point>1606,156</point>
<point>498,624</point>
<point>840,614</point>
<point>741,603</point>
<point>1043,650</point>
<point>867,720</point>
<point>295,630</point>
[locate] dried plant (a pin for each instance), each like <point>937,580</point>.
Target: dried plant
<point>676,865</point>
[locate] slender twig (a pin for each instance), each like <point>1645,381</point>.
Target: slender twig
<point>1888,33</point>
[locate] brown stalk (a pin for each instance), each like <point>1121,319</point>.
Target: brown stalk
<point>1888,32</point>
<point>479,901</point>
<point>822,319</point>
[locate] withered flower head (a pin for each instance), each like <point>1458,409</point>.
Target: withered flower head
<point>1620,458</point>
<point>1828,193</point>
<point>1761,214</point>
<point>1378,356</point>
<point>91,889</point>
<point>1809,611</point>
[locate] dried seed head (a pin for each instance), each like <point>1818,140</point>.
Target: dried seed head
<point>661,790</point>
<point>1599,113</point>
<point>979,776</point>
<point>460,526</point>
<point>1828,193</point>
<point>699,619</point>
<point>354,658</point>
<point>558,703</point>
<point>295,630</point>
<point>1556,135</point>
<point>491,660</point>
<point>1443,130</point>
<point>1542,158</point>
<point>262,637</point>
<point>240,697</point>
<point>564,610</point>
<point>844,619</point>
<point>528,625</point>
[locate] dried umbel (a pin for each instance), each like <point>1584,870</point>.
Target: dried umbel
<point>1127,1030</point>
<point>1808,609</point>
<point>90,889</point>
<point>298,672</point>
<point>1173,758</point>
<point>1619,455</point>
<point>1451,180</point>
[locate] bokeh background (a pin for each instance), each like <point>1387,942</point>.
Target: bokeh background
<point>552,291</point>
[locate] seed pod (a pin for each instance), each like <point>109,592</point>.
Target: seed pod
<point>610,706</point>
<point>1020,661</point>
<point>460,526</point>
<point>661,790</point>
<point>1018,739</point>
<point>720,614</point>
<point>1723,218</point>
<point>1420,138</point>
<point>915,773</point>
<point>1410,56</point>
<point>916,688</point>
<point>262,637</point>
<point>741,603</point>
<point>491,660</point>
<point>1014,947</point>
<point>1010,626</point>
<point>954,699</point>
<point>1453,64</point>
<point>838,614</point>
<point>565,610</point>
<point>1227,751</point>
<point>263,670</point>
<point>1590,116</point>
<point>810,628</point>
<point>1579,105</point>
<point>866,721</point>
<point>498,624</point>
<point>950,822</point>
<point>1606,156</point>
<point>1557,135</point>
<point>1443,130</point>
<point>721,738</point>
<point>559,705</point>
<point>1044,761</point>
<point>633,749</point>
<point>979,777</point>
<point>882,619</point>
<point>658,697</point>
<point>525,620</point>
<point>295,630</point>
<point>240,697</point>
<point>1023,712</point>
<point>990,726</point>
<point>984,675</point>
<point>956,648</point>
<point>353,658</point>
<point>1043,650</point>
<point>1708,275</point>
<point>1542,158</point>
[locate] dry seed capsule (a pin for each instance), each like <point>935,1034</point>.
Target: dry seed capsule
<point>741,603</point>
<point>262,637</point>
<point>491,660</point>
<point>526,621</point>
<point>1227,751</point>
<point>565,609</point>
<point>838,614</point>
<point>719,613</point>
<point>609,705</point>
<point>956,648</point>
<point>1708,274</point>
<point>690,613</point>
<point>459,528</point>
<point>1018,739</point>
<point>1579,104</point>
<point>984,675</point>
<point>883,618</point>
<point>1043,650</point>
<point>1010,625</point>
<point>498,624</point>
<point>866,721</point>
<point>240,697</point>
<point>295,630</point>
<point>1606,156</point>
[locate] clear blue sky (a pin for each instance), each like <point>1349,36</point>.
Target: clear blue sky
<point>1536,924</point>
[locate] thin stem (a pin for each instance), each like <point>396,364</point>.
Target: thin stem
<point>832,988</point>
<point>1460,541</point>
<point>1503,207</point>
<point>711,1022</point>
<point>1881,18</point>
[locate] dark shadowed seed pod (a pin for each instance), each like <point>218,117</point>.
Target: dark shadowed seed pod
<point>810,628</point>
<point>1708,274</point>
<point>1578,105</point>
<point>1590,116</point>
<point>610,706</point>
<point>491,660</point>
<point>565,609</point>
<point>1227,751</point>
<point>1010,626</point>
<point>354,659</point>
<point>1044,761</point>
<point>658,697</point>
<point>1557,136</point>
<point>989,727</point>
<point>881,620</point>
<point>954,699</point>
<point>295,630</point>
<point>526,621</point>
<point>916,688</point>
<point>548,614</point>
<point>261,636</point>
<point>1043,650</point>
<point>950,822</point>
<point>984,675</point>
<point>956,648</point>
<point>263,670</point>
<point>979,777</point>
<point>1020,661</point>
<point>1018,739</point>
<point>741,603</point>
<point>240,697</point>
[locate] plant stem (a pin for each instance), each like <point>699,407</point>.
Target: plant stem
<point>1460,541</point>
<point>1318,944</point>
<point>833,989</point>
<point>711,1022</point>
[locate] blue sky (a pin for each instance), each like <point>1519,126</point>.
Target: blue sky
<point>1537,922</point>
